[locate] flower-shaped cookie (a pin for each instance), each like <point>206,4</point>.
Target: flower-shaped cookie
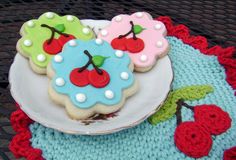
<point>44,37</point>
<point>142,37</point>
<point>90,77</point>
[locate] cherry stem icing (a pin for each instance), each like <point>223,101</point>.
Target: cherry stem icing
<point>131,31</point>
<point>181,103</point>
<point>90,61</point>
<point>53,30</point>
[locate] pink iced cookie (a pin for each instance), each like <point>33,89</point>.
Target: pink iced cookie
<point>140,36</point>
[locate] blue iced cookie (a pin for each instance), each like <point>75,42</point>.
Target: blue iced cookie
<point>90,77</point>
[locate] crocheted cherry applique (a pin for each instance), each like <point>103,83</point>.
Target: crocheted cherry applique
<point>230,154</point>
<point>191,137</point>
<point>213,118</point>
<point>97,77</point>
<point>194,138</point>
<point>134,44</point>
<point>188,93</point>
<point>52,45</point>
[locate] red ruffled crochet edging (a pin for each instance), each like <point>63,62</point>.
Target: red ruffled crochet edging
<point>20,145</point>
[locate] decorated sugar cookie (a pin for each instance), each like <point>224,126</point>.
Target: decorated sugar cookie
<point>44,37</point>
<point>90,77</point>
<point>140,36</point>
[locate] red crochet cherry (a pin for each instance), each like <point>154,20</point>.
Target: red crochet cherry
<point>79,78</point>
<point>98,80</point>
<point>52,48</point>
<point>63,39</point>
<point>193,139</point>
<point>213,118</point>
<point>134,45</point>
<point>119,43</point>
<point>230,154</point>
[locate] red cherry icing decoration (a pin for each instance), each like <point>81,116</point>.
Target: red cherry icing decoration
<point>134,45</point>
<point>79,78</point>
<point>53,48</point>
<point>98,80</point>
<point>52,45</point>
<point>119,43</point>
<point>63,39</point>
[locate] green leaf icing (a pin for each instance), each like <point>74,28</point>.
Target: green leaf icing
<point>60,27</point>
<point>138,29</point>
<point>188,93</point>
<point>99,60</point>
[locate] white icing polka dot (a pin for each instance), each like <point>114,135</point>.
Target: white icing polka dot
<point>124,75</point>
<point>99,41</point>
<point>60,82</point>
<point>119,53</point>
<point>49,15</point>
<point>70,18</point>
<point>109,94</point>
<point>30,24</point>
<point>58,58</point>
<point>143,58</point>
<point>72,43</point>
<point>80,97</point>
<point>27,42</point>
<point>41,57</point>
<point>157,26</point>
<point>139,14</point>
<point>104,32</point>
<point>86,30</point>
<point>159,44</point>
<point>118,18</point>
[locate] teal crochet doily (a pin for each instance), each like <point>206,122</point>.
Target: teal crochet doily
<point>146,141</point>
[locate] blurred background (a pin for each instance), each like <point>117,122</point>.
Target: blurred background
<point>216,20</point>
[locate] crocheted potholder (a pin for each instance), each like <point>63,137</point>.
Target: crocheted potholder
<point>203,76</point>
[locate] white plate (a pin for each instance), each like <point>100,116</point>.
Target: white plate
<point>30,91</point>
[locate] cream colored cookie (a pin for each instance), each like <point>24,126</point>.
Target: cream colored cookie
<point>45,37</point>
<point>139,35</point>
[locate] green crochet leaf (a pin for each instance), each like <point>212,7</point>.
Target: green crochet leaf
<point>189,93</point>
